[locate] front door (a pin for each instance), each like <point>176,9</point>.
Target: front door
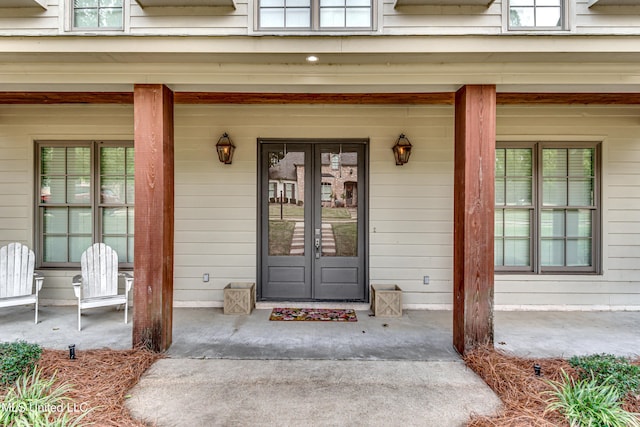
<point>312,226</point>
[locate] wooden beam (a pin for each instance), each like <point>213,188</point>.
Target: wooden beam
<point>446,98</point>
<point>154,217</point>
<point>473,212</point>
<point>66,98</point>
<point>406,98</point>
<point>515,98</point>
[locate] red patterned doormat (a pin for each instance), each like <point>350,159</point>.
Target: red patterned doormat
<point>314,314</point>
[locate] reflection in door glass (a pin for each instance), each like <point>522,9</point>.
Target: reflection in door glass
<point>286,202</point>
<point>339,198</point>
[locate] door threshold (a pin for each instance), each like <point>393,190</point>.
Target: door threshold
<point>267,305</point>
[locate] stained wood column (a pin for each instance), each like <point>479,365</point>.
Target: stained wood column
<point>473,210</point>
<point>154,214</point>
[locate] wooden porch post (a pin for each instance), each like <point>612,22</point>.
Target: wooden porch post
<point>473,211</point>
<point>153,264</point>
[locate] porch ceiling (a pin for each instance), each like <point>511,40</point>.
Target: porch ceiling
<point>347,64</point>
<point>339,50</point>
<point>326,58</point>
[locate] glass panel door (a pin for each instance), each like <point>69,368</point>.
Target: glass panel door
<point>311,220</point>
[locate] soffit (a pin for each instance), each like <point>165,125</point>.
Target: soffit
<point>389,59</point>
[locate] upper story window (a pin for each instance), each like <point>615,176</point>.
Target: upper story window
<point>98,14</point>
<point>315,14</point>
<point>536,14</point>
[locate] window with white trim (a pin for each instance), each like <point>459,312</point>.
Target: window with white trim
<point>536,14</point>
<point>86,195</point>
<point>326,191</point>
<point>315,14</point>
<point>98,14</point>
<point>547,213</point>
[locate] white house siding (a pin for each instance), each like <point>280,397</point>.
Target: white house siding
<point>619,130</point>
<point>190,20</point>
<point>31,20</point>
<point>391,20</point>
<point>441,20</point>
<point>411,207</point>
<point>601,19</point>
<point>20,126</point>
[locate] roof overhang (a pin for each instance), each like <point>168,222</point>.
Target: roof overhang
<point>186,3</point>
<point>614,3</point>
<point>23,3</point>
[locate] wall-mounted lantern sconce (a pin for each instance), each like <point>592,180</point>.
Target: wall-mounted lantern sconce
<point>225,149</point>
<point>402,150</point>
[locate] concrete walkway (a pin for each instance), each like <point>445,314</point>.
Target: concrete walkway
<point>245,370</point>
<point>175,392</point>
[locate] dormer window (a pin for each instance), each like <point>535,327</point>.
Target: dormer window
<point>315,14</point>
<point>536,14</point>
<point>98,14</point>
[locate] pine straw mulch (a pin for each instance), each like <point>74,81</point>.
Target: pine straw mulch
<point>101,380</point>
<point>521,391</point>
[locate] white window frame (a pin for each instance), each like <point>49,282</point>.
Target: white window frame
<point>314,27</point>
<point>537,207</point>
<point>70,28</point>
<point>565,13</point>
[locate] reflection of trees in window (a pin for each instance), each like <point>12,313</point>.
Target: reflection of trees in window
<point>535,13</point>
<point>97,13</point>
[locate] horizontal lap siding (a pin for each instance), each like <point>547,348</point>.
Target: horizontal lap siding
<point>411,207</point>
<point>606,19</point>
<point>442,20</point>
<point>20,126</point>
<point>619,129</point>
<point>190,20</point>
<point>31,20</point>
<point>404,20</point>
<point>216,204</point>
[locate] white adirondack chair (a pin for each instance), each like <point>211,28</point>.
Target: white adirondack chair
<point>97,286</point>
<point>17,277</point>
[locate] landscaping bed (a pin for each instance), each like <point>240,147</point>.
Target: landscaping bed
<point>524,394</point>
<point>101,380</point>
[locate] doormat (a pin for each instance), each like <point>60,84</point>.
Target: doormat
<point>314,314</point>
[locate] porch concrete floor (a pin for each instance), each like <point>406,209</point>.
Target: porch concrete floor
<point>418,335</point>
<point>245,370</point>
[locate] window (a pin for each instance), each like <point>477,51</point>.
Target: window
<point>326,192</point>
<point>86,196</point>
<point>315,14</point>
<point>536,14</point>
<point>335,162</point>
<point>547,208</point>
<point>273,190</point>
<point>98,14</point>
<point>289,192</point>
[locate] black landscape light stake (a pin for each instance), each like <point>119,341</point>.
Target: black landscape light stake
<point>72,351</point>
<point>537,370</point>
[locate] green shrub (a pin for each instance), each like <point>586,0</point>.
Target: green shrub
<point>17,358</point>
<point>586,402</point>
<point>608,369</point>
<point>34,401</point>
